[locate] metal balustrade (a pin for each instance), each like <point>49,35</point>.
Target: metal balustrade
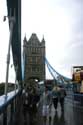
<point>75,98</point>
<point>10,108</point>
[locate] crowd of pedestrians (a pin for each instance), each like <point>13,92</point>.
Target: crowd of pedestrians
<point>30,99</point>
<point>49,98</point>
<point>57,94</point>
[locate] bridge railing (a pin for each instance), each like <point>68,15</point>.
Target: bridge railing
<point>75,98</point>
<point>10,108</point>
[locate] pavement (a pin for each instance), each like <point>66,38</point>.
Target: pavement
<point>72,115</point>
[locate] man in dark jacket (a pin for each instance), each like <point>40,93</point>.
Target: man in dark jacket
<point>62,93</point>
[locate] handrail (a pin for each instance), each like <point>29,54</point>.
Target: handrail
<point>77,99</point>
<point>4,102</point>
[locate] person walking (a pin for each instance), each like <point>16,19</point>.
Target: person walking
<point>25,104</point>
<point>55,94</point>
<point>46,108</point>
<point>33,100</point>
<point>62,94</point>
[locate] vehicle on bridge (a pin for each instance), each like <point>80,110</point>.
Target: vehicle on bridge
<point>77,78</point>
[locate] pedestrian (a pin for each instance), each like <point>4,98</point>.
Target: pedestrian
<point>32,105</point>
<point>50,105</point>
<point>55,94</point>
<point>25,104</point>
<point>30,100</point>
<point>47,102</point>
<point>35,100</point>
<point>62,94</point>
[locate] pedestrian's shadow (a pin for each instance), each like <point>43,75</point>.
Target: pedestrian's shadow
<point>59,120</point>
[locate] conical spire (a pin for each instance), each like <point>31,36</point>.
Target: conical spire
<point>34,38</point>
<point>25,39</point>
<point>43,40</point>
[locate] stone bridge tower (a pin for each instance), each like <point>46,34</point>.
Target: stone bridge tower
<point>34,63</point>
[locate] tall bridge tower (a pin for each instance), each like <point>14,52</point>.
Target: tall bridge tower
<point>34,64</point>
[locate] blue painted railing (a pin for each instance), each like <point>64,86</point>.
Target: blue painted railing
<point>9,107</point>
<point>77,98</point>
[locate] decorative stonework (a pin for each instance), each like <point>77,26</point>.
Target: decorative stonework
<point>34,53</point>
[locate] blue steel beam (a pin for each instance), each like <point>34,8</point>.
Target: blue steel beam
<point>14,7</point>
<point>54,73</point>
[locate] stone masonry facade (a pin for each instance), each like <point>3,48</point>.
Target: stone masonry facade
<point>34,61</point>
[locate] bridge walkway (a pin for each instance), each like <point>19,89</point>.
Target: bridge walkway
<point>11,111</point>
<point>72,115</point>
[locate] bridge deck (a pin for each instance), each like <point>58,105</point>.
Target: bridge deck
<point>71,116</point>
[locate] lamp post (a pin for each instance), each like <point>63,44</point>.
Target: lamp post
<point>11,21</point>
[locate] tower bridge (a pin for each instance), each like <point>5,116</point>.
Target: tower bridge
<point>33,55</point>
<point>11,104</point>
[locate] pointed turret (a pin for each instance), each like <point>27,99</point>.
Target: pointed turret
<point>33,40</point>
<point>25,40</point>
<point>43,41</point>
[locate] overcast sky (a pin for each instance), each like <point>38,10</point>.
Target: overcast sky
<point>60,21</point>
